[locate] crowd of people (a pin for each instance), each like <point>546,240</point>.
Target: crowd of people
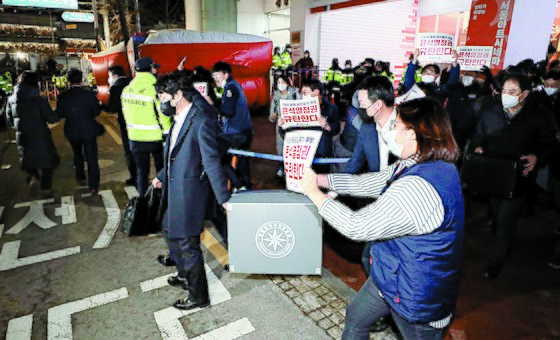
<point>405,157</point>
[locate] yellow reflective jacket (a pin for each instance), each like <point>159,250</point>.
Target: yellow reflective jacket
<point>140,105</point>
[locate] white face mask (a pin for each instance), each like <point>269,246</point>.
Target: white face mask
<point>550,90</point>
<point>111,81</point>
<point>509,101</point>
<point>428,78</point>
<point>390,138</point>
<point>282,87</point>
<point>467,80</point>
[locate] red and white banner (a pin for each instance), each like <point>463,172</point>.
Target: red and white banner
<point>472,58</point>
<point>434,48</point>
<point>489,25</point>
<point>299,150</point>
<point>301,112</point>
<point>201,87</point>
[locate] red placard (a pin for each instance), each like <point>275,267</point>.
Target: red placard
<point>489,25</point>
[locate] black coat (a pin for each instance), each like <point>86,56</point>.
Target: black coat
<point>80,107</point>
<point>29,114</point>
<point>114,105</point>
<point>192,177</point>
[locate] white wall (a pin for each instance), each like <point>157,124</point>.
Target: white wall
<point>530,30</point>
<point>192,15</point>
<point>250,17</point>
<point>374,30</point>
<point>432,7</point>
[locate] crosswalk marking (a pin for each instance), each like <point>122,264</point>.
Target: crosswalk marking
<point>113,219</point>
<point>230,331</point>
<point>59,324</point>
<point>20,328</point>
<point>10,252</point>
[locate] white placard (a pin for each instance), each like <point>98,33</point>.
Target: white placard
<point>201,87</point>
<point>472,58</point>
<point>434,48</point>
<point>299,150</point>
<point>300,112</point>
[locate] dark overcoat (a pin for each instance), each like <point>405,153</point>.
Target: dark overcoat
<point>29,114</point>
<point>79,106</point>
<point>192,177</point>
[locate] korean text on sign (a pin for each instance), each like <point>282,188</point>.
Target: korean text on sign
<point>299,150</point>
<point>301,112</point>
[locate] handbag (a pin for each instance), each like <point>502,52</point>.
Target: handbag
<point>141,214</point>
<point>490,176</point>
<point>99,129</point>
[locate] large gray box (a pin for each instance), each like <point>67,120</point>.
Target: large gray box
<point>274,232</point>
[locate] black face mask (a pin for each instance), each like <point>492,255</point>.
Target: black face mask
<point>365,118</point>
<point>167,109</point>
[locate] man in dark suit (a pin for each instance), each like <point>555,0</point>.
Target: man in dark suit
<point>192,180</point>
<point>118,81</point>
<point>80,107</point>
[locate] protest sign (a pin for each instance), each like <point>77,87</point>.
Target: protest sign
<point>414,93</point>
<point>434,48</point>
<point>301,112</point>
<point>472,58</point>
<point>201,87</point>
<point>299,150</point>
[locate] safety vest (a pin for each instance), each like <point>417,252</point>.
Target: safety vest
<point>6,82</point>
<point>91,80</point>
<point>333,75</point>
<point>286,60</point>
<point>59,81</point>
<point>140,106</point>
<point>391,77</point>
<point>346,78</point>
<point>276,60</point>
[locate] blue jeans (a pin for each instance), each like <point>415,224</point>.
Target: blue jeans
<point>367,307</point>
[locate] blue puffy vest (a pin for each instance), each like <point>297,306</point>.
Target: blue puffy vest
<point>419,275</point>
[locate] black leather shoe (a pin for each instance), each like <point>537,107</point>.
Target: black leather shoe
<point>165,261</point>
<point>130,181</point>
<point>176,282</point>
<point>186,304</point>
<point>226,268</point>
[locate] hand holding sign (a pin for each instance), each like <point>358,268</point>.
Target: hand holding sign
<point>308,181</point>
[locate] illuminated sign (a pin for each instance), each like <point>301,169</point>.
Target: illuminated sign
<point>77,17</point>
<point>65,4</point>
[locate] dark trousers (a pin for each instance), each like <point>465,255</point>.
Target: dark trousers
<point>45,176</point>
<point>367,307</point>
<point>241,141</point>
<point>186,253</point>
<point>505,213</point>
<point>87,148</point>
<point>220,223</point>
<point>142,152</point>
<point>128,156</point>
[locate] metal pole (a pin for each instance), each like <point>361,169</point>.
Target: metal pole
<point>106,30</point>
<point>137,15</point>
<point>50,24</point>
<point>95,25</point>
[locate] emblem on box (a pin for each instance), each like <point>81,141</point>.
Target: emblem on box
<point>275,239</point>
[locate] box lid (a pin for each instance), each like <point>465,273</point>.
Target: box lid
<point>269,196</point>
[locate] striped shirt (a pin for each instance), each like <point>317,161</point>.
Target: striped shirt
<point>409,206</point>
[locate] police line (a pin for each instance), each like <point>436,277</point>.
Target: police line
<point>280,158</point>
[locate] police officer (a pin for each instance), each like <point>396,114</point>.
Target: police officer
<point>332,77</point>
<point>276,58</point>
<point>286,59</point>
<point>144,123</point>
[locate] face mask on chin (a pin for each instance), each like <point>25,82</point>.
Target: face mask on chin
<point>550,90</point>
<point>364,116</point>
<point>467,80</point>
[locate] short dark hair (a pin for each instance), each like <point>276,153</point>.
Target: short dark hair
<point>173,82</point>
<point>554,64</point>
<point>378,87</point>
<point>430,122</point>
<point>522,80</point>
<point>555,75</point>
<point>222,66</point>
<point>117,70</point>
<point>434,66</point>
<point>75,76</point>
<point>29,78</point>
<point>313,84</point>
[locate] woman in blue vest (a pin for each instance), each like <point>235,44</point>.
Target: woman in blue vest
<point>416,225</point>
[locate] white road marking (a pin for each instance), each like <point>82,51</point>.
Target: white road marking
<point>10,252</point>
<point>116,137</point>
<point>113,219</point>
<point>20,328</point>
<point>168,319</point>
<point>156,283</point>
<point>67,210</point>
<point>229,332</point>
<point>36,214</point>
<point>59,324</point>
<point>131,192</point>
